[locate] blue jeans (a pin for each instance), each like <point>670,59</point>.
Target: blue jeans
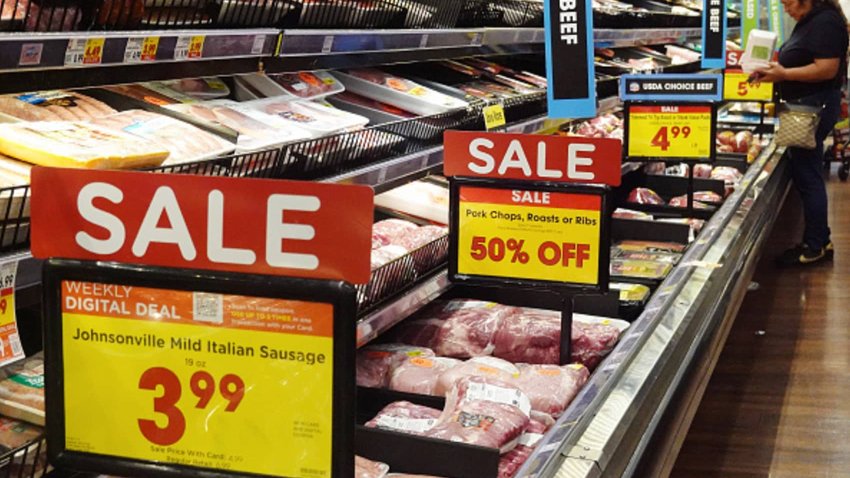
<point>807,171</point>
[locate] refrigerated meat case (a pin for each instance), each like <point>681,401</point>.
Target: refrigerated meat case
<point>629,418</point>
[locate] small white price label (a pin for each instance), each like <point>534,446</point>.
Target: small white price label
<point>84,51</point>
<point>141,49</point>
<point>10,342</point>
<point>259,44</point>
<point>328,44</point>
<point>423,42</point>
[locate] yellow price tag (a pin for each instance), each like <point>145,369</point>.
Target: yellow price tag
<point>149,47</point>
<point>737,88</point>
<point>494,116</point>
<point>10,342</point>
<point>93,54</point>
<point>204,380</point>
<point>534,235</point>
<point>670,131</point>
<point>196,47</point>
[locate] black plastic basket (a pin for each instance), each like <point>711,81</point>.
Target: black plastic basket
<point>15,222</point>
<point>431,13</point>
<point>263,164</point>
<point>27,461</point>
<point>344,14</point>
<point>400,274</point>
<point>501,13</point>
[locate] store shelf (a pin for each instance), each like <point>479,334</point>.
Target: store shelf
<point>614,38</point>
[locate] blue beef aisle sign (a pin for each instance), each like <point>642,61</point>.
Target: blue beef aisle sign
<point>569,59</point>
<point>714,34</point>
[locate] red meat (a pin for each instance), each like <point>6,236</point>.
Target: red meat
<point>490,367</point>
<point>469,327</point>
<point>405,417</point>
<point>702,170</point>
<point>551,388</point>
<point>364,468</point>
<point>375,363</point>
<point>591,342</point>
<point>532,336</point>
<point>645,196</point>
<point>393,229</point>
<point>418,332</point>
<point>511,461</point>
<point>416,238</point>
<point>420,374</point>
<point>682,201</point>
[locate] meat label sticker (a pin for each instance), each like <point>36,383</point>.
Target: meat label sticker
<point>685,132</point>
<point>204,380</point>
<point>529,235</point>
<point>10,342</point>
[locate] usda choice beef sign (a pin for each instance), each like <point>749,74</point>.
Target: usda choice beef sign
<point>569,59</point>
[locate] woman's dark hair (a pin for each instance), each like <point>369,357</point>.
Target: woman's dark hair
<point>833,4</point>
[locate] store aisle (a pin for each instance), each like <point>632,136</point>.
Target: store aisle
<point>778,404</point>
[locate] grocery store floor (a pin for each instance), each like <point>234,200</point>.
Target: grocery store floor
<point>778,403</point>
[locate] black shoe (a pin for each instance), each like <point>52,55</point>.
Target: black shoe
<point>829,249</point>
<point>799,255</point>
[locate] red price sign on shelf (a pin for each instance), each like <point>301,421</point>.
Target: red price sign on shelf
<point>670,131</point>
<point>737,88</point>
<point>191,372</point>
<point>532,235</point>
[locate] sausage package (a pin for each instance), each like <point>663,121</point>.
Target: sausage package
<point>54,105</point>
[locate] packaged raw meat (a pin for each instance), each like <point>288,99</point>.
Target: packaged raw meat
<point>496,69</point>
<point>651,246</point>
<point>399,92</point>
<point>209,88</point>
<point>375,363</point>
<point>412,240</point>
<point>551,388</point>
<point>469,326</point>
<point>393,229</point>
<point>22,390</point>
<point>483,414</point>
<point>645,196</point>
<point>53,105</point>
<point>77,145</point>
<point>405,417</point>
<point>379,241</point>
<point>640,269</point>
<point>185,143</point>
<point>529,336</point>
<point>420,199</point>
<point>702,170</point>
<point>594,338</point>
<point>14,11</point>
<point>728,174</point>
<point>256,129</point>
<point>682,202</point>
<point>656,256</point>
<point>142,93</point>
<point>316,119</point>
<point>655,167</point>
<point>418,332</point>
<point>710,197</point>
<point>364,468</point>
<point>621,213</point>
<point>680,170</point>
<point>490,367</point>
<point>167,91</point>
<point>726,138</point>
<point>487,90</point>
<point>45,17</point>
<point>420,374</point>
<point>308,84</point>
<point>386,254</point>
<point>15,434</point>
<point>511,461</point>
<point>743,140</point>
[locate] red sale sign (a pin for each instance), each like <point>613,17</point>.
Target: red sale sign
<point>533,157</point>
<point>259,226</point>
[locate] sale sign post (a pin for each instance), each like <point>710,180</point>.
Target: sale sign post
<point>177,343</point>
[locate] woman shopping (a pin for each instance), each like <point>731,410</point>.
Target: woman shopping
<point>811,71</point>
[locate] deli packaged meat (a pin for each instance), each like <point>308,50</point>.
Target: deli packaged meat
<point>551,388</point>
<point>645,196</point>
<point>15,434</point>
<point>316,119</point>
<point>364,468</point>
<point>256,129</point>
<point>399,92</point>
<point>651,246</point>
<point>640,269</point>
<point>308,84</point>
<point>22,390</point>
<point>420,199</point>
<point>53,105</point>
<point>469,326</point>
<point>208,88</point>
<point>185,142</point>
<point>78,145</point>
<point>375,363</point>
<point>405,417</point>
<point>483,412</point>
<point>489,367</point>
<point>420,374</point>
<point>529,336</point>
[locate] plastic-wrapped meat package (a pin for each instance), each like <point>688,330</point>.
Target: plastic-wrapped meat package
<point>708,197</point>
<point>43,17</point>
<point>316,119</point>
<point>551,388</point>
<point>655,167</point>
<point>308,84</point>
<point>639,270</point>
<point>184,141</point>
<point>469,327</point>
<point>379,241</point>
<point>405,417</point>
<point>681,170</point>
<point>200,88</point>
<point>386,254</point>
<point>622,213</point>
<point>416,238</point>
<point>682,202</point>
<point>489,367</point>
<point>645,196</point>
<point>54,105</point>
<point>483,412</point>
<point>364,468</point>
<point>592,341</point>
<point>511,461</point>
<point>726,173</point>
<point>399,92</point>
<point>529,336</point>
<point>657,256</point>
<point>702,170</point>
<point>743,140</point>
<point>420,374</point>
<point>393,229</point>
<point>651,246</point>
<point>418,332</point>
<point>376,363</point>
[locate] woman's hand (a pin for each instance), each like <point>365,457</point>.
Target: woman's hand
<point>773,73</point>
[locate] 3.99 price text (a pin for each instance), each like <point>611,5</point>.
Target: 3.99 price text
<point>549,253</point>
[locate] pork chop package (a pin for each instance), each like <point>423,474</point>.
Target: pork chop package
<point>529,336</point>
<point>484,412</point>
<point>416,238</point>
<point>391,231</point>
<point>551,388</point>
<point>364,468</point>
<point>489,367</point>
<point>376,363</point>
<point>593,338</point>
<point>469,326</point>
<point>418,332</point>
<point>420,374</point>
<point>511,461</point>
<point>406,417</point>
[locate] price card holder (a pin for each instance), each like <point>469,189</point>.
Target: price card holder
<point>529,234</point>
<point>670,132</point>
<point>167,372</point>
